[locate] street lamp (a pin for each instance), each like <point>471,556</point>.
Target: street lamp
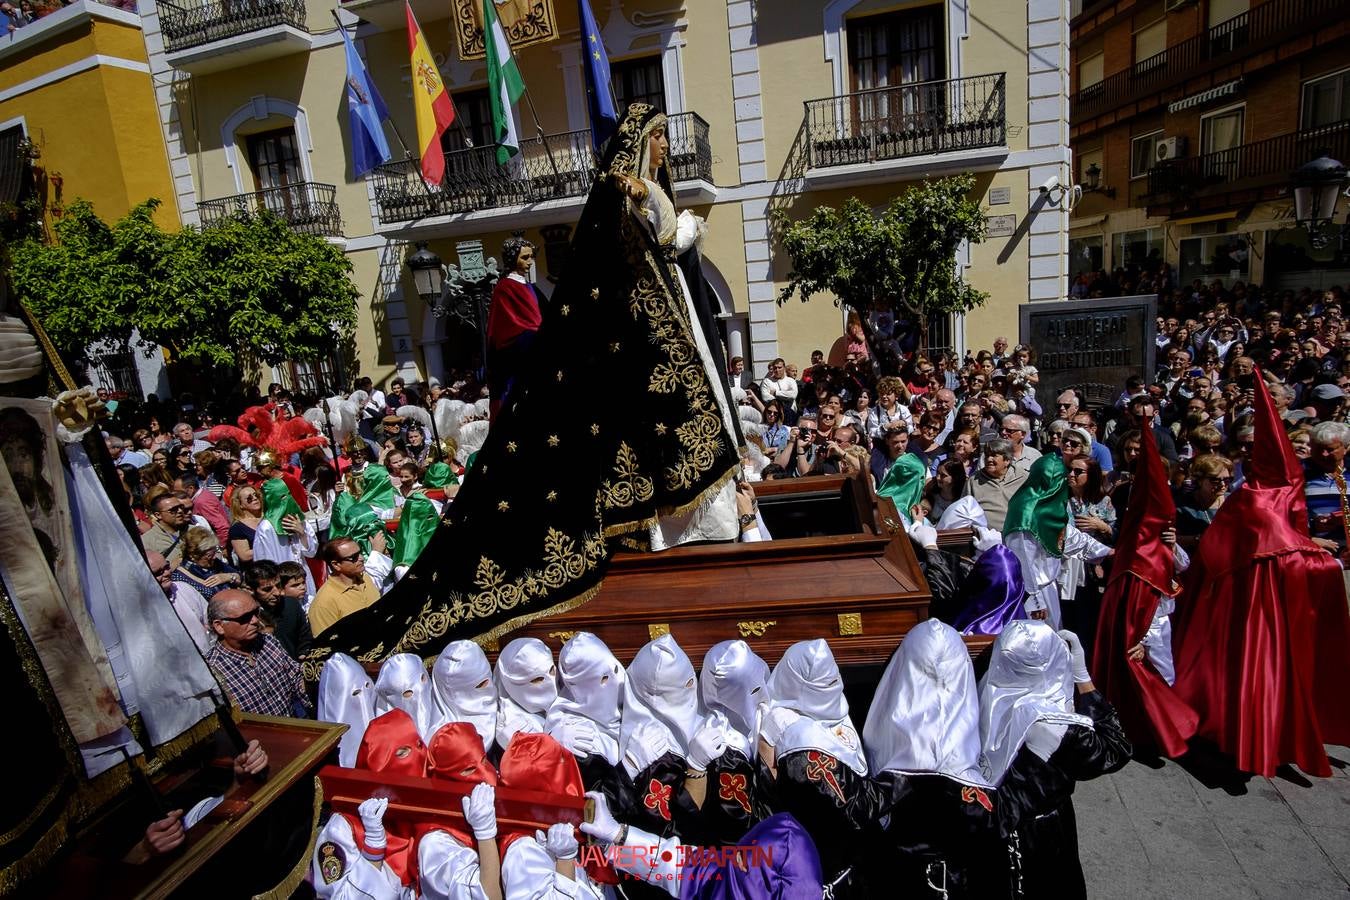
<point>1092,181</point>
<point>428,273</point>
<point>1317,184</point>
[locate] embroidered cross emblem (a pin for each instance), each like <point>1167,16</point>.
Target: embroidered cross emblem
<point>975,795</point>
<point>658,798</point>
<point>731,786</point>
<point>821,767</point>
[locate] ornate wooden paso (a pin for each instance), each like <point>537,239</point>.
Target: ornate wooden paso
<point>840,567</point>
<point>95,864</point>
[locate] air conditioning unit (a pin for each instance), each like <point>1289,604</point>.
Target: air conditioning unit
<point>1171,5</point>
<point>1170,148</point>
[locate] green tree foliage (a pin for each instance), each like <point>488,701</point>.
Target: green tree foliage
<point>903,260</point>
<point>247,290</point>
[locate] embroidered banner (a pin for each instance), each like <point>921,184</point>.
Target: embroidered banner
<point>526,22</point>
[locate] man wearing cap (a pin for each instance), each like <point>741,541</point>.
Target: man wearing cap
<point>1326,401</point>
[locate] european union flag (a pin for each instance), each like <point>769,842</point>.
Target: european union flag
<point>365,114</point>
<point>599,92</point>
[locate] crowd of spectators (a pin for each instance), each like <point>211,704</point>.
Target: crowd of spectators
<point>202,505</point>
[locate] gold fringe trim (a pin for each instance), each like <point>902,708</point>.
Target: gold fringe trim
<point>171,750</point>
<point>48,349</point>
<point>35,860</point>
<point>610,531</point>
<point>494,635</point>
<point>297,875</point>
<point>487,638</point>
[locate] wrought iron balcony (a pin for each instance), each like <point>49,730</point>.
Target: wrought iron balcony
<point>307,207</point>
<point>910,120</point>
<point>1261,164</point>
<point>555,167</point>
<point>185,26</point>
<point>1244,34</point>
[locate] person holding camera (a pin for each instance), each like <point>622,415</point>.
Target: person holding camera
<point>801,452</point>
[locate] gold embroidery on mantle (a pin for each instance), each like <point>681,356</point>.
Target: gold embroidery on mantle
<point>631,485</point>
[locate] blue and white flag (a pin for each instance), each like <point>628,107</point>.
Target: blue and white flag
<point>366,113</point>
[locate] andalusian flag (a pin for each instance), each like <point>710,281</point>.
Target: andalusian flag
<point>504,84</point>
<point>435,112</point>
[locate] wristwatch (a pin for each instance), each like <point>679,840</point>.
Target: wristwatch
<point>747,520</point>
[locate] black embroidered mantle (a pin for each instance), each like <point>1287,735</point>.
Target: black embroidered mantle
<point>612,424</point>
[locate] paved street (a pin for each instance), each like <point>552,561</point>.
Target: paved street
<point>1163,832</point>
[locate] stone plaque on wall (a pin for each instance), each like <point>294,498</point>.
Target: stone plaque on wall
<point>1091,346</point>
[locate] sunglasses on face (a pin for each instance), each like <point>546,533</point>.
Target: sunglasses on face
<point>242,618</point>
<point>355,557</point>
<point>179,508</point>
<point>1075,473</point>
<point>1071,442</point>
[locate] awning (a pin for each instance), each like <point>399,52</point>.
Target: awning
<point>1085,222</point>
<point>1211,217</point>
<point>1214,93</point>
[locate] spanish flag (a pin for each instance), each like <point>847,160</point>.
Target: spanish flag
<point>435,112</point>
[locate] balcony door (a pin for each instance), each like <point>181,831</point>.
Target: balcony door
<point>903,50</point>
<point>274,157</point>
<point>1221,142</point>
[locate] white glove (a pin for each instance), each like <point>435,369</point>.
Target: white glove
<point>578,736</point>
<point>480,811</point>
<point>986,538</point>
<point>648,743</point>
<point>559,841</point>
<point>603,826</point>
<point>1080,670</point>
<point>372,820</point>
<point>707,744</point>
<point>924,535</point>
<point>774,722</point>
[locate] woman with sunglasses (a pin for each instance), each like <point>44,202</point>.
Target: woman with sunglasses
<point>246,508</point>
<point>1211,476</point>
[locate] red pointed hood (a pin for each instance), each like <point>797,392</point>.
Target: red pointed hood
<point>1268,514</point>
<point>1140,550</point>
<point>1272,463</point>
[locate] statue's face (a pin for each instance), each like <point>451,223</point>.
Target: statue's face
<point>524,260</point>
<point>657,148</point>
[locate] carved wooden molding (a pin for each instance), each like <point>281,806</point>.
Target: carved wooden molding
<point>755,628</point>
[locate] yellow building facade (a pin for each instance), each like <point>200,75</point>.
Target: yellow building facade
<point>77,85</point>
<point>773,106</point>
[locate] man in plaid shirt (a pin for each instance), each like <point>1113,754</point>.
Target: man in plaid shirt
<point>259,674</point>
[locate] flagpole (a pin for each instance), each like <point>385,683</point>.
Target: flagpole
<point>539,129</point>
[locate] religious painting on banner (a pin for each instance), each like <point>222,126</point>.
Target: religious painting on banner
<point>526,22</point>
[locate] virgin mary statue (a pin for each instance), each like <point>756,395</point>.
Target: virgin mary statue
<point>617,430</point>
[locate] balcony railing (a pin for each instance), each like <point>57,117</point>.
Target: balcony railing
<point>908,120</point>
<point>557,166</point>
<point>1255,165</point>
<point>185,26</point>
<point>1269,22</point>
<point>307,207</point>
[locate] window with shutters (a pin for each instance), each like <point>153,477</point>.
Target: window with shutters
<point>1090,75</point>
<point>1150,46</point>
<point>1326,100</point>
<point>895,50</point>
<point>1144,153</point>
<point>473,122</point>
<point>639,81</point>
